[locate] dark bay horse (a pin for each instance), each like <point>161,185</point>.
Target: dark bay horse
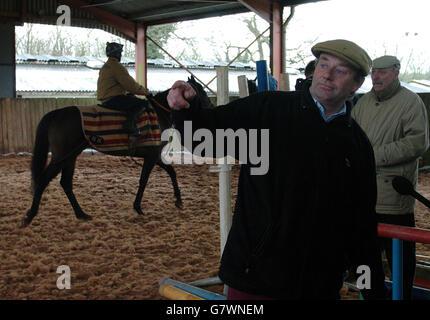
<point>60,131</point>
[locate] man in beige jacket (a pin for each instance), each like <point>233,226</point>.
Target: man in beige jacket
<point>395,120</point>
<point>116,88</point>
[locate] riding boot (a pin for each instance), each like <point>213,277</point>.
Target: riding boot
<point>130,123</point>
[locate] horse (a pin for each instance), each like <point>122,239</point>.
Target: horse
<point>60,131</point>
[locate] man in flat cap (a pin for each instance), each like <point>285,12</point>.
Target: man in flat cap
<point>299,226</point>
<point>395,120</point>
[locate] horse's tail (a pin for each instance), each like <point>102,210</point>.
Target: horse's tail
<point>41,148</point>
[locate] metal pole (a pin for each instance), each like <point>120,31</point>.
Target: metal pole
<point>397,269</point>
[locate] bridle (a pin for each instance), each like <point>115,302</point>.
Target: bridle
<point>152,99</point>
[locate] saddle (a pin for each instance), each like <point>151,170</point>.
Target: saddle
<point>104,129</point>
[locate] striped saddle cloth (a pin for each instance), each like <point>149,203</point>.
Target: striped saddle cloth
<point>104,131</point>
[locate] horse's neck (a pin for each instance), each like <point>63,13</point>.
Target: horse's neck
<point>163,116</point>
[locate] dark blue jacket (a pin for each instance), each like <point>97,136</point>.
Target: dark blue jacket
<point>297,228</point>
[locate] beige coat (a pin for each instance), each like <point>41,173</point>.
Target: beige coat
<point>114,80</point>
<point>398,131</point>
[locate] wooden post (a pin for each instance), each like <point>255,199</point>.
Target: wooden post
<point>284,82</point>
<point>276,26</point>
<point>140,58</point>
<point>223,168</point>
<point>243,86</point>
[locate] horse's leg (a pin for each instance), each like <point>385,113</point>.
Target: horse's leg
<point>171,171</point>
<point>147,167</point>
<point>49,173</point>
<point>67,184</point>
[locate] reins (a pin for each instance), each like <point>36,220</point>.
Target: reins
<point>152,99</point>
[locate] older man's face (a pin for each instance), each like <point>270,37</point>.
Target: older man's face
<point>333,81</point>
<point>382,78</point>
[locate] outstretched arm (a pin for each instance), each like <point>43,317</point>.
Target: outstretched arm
<point>179,95</point>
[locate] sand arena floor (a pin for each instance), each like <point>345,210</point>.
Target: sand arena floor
<point>118,254</point>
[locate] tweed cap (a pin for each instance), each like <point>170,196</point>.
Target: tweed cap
<point>346,50</point>
<point>386,62</point>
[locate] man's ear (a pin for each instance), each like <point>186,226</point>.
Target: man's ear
<point>397,72</point>
<point>357,85</point>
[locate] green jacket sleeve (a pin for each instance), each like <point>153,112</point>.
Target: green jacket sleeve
<point>127,81</point>
<point>414,142</point>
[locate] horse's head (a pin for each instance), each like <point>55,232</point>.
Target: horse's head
<point>201,99</point>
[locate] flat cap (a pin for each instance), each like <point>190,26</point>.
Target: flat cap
<point>346,50</point>
<point>386,62</point>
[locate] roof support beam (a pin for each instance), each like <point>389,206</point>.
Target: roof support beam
<point>260,7</point>
<point>127,28</point>
<point>271,11</point>
<point>276,41</point>
<point>141,57</point>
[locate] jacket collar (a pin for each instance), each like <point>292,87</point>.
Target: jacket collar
<point>388,92</point>
<point>307,101</point>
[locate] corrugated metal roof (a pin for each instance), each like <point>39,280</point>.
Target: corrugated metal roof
<point>83,13</point>
<point>78,79</point>
<point>27,58</point>
<point>63,74</point>
<point>45,12</point>
<point>46,73</point>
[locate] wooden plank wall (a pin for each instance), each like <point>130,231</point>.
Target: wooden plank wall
<point>19,119</point>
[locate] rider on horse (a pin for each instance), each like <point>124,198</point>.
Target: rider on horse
<point>116,88</point>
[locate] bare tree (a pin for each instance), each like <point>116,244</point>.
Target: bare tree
<point>284,36</point>
<point>251,24</point>
<point>191,45</point>
<point>61,43</point>
<point>27,41</point>
<point>291,55</point>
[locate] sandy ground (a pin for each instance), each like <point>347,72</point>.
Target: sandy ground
<point>118,254</point>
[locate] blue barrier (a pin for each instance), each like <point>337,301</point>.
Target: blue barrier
<point>397,269</point>
<point>418,293</point>
<point>400,234</point>
<point>262,76</point>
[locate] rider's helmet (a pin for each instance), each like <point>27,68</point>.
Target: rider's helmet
<point>114,49</point>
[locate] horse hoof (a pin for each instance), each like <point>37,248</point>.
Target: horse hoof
<point>84,217</point>
<point>179,204</point>
<point>25,222</point>
<point>138,210</point>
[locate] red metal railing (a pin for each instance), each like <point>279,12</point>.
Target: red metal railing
<point>399,234</point>
<point>404,233</point>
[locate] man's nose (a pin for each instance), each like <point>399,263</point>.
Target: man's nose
<point>328,73</point>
